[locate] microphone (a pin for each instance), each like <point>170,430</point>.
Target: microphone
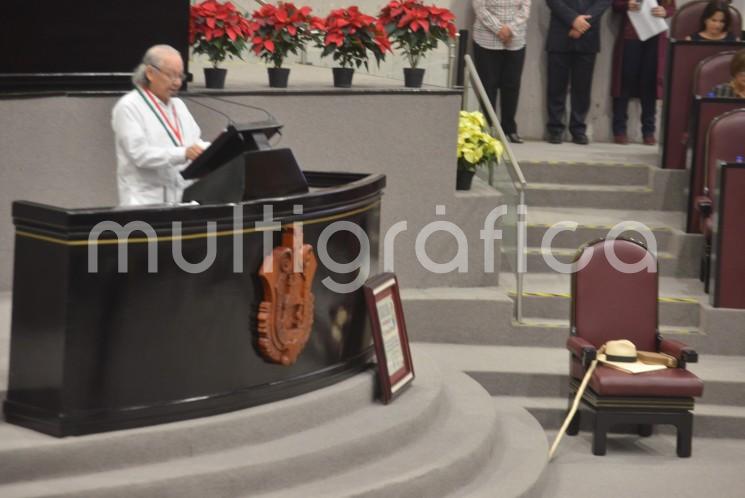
<point>241,104</point>
<point>190,99</point>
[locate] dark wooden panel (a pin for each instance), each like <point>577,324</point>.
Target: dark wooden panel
<point>683,57</point>
<point>729,264</point>
<point>111,350</point>
<point>704,111</point>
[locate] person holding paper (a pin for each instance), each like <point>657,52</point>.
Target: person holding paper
<point>572,44</point>
<point>155,135</point>
<point>638,65</point>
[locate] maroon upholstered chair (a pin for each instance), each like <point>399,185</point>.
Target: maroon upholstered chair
<point>609,303</point>
<point>724,142</point>
<point>687,20</point>
<point>712,71</point>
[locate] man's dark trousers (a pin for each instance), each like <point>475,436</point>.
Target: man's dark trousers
<point>500,72</point>
<point>563,68</point>
<point>571,61</point>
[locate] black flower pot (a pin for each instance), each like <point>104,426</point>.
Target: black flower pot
<point>413,77</point>
<point>343,76</point>
<point>278,76</point>
<point>214,77</point>
<point>463,179</point>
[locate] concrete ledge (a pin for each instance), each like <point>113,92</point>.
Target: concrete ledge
<point>433,440</point>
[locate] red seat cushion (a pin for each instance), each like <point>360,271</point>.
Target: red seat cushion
<point>671,382</point>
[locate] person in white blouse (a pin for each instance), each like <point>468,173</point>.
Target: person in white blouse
<point>155,135</point>
<point>499,55</point>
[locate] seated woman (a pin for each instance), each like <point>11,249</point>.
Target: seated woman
<point>735,88</point>
<point>715,21</point>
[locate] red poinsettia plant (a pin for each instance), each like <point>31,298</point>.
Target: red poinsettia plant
<point>281,29</point>
<point>218,30</point>
<point>416,28</point>
<point>350,34</point>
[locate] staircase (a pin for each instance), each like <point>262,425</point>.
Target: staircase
<point>596,187</point>
<point>445,436</point>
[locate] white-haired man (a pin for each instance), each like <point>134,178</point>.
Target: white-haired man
<point>156,136</point>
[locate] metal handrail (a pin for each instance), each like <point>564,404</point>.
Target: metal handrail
<point>516,174</point>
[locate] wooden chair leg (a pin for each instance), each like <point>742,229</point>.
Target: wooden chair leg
<point>599,435</point>
<point>644,430</point>
<point>685,435</point>
<point>573,428</point>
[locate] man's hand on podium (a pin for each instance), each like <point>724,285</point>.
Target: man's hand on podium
<point>193,152</point>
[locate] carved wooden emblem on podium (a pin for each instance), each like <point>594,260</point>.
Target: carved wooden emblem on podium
<point>286,313</point>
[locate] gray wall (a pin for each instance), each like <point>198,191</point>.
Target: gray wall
<point>532,108</point>
<point>60,150</point>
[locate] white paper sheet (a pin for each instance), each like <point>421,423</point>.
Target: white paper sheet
<point>645,23</point>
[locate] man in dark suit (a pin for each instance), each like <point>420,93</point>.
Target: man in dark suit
<point>573,42</point>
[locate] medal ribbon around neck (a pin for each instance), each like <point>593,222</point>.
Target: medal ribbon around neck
<point>173,131</point>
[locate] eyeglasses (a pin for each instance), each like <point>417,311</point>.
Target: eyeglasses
<point>178,77</point>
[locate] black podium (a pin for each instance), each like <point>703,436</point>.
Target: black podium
<point>241,165</point>
<point>100,350</point>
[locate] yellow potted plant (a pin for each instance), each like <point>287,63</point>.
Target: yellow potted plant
<point>475,147</point>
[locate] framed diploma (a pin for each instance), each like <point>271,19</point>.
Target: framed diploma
<point>395,369</point>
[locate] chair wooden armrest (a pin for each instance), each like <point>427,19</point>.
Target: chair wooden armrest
<point>582,349</point>
<point>684,353</point>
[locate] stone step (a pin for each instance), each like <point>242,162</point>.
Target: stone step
<point>537,377</point>
<point>537,261</point>
<point>555,331</point>
<point>485,316</point>
<point>680,312</point>
<point>27,455</point>
<point>455,454</point>
<point>713,421</point>
<point>603,196</point>
<point>597,153</point>
<point>715,468</point>
<point>573,239</point>
<point>554,361</point>
<point>555,384</point>
<point>456,315</point>
<point>706,339</point>
<point>570,172</point>
<point>399,439</point>
<point>518,465</point>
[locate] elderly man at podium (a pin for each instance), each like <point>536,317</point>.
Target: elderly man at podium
<point>156,136</point>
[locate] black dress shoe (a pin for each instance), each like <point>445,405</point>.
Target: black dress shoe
<point>514,138</point>
<point>580,139</point>
<point>554,139</point>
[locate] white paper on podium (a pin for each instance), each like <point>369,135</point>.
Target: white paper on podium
<point>645,24</point>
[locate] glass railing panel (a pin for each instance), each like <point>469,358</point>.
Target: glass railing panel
<point>505,176</point>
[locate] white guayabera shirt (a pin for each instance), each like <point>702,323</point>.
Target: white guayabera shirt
<point>149,155</point>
